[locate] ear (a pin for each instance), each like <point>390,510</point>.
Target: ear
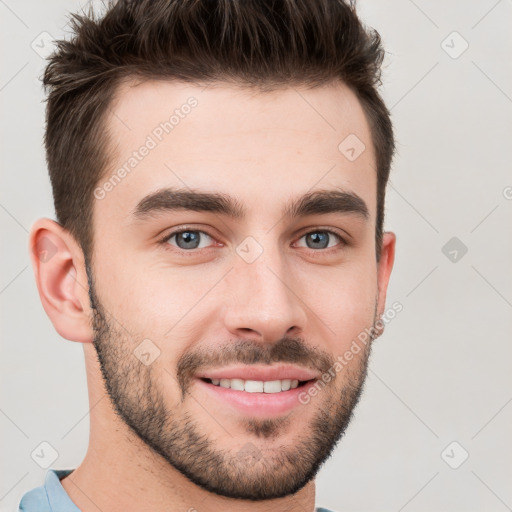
<point>59,269</point>
<point>384,268</point>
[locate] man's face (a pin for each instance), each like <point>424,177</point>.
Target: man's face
<point>209,309</point>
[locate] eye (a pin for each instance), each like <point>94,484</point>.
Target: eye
<point>188,239</point>
<point>322,239</point>
<point>191,239</point>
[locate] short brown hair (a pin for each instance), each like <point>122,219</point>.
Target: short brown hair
<point>263,44</point>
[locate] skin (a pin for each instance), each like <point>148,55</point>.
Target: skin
<point>264,149</point>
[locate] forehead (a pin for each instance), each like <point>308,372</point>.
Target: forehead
<point>262,147</point>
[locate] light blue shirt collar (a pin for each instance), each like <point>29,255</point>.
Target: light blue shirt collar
<point>50,497</point>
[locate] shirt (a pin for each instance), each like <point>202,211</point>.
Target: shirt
<point>51,497</point>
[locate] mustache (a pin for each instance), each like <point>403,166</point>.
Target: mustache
<point>286,350</point>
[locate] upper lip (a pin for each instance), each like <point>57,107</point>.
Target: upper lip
<point>260,373</point>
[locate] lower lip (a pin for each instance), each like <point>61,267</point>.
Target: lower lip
<point>257,404</point>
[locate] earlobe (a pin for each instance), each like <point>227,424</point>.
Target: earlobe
<point>59,270</point>
<point>385,266</point>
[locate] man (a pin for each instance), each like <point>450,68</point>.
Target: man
<point>219,174</point>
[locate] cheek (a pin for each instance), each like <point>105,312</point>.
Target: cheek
<point>346,306</point>
<point>157,301</point>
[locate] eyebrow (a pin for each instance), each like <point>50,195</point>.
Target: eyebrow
<point>318,202</point>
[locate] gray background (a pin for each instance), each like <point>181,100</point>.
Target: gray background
<point>441,372</point>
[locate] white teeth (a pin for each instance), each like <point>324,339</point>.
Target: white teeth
<point>237,384</point>
<point>257,386</point>
<point>272,386</point>
<point>253,386</point>
<point>285,384</point>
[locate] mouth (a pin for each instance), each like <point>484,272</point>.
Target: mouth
<point>261,392</point>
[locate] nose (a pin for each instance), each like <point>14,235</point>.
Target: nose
<point>265,306</point>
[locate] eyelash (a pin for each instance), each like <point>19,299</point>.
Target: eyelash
<point>164,241</point>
